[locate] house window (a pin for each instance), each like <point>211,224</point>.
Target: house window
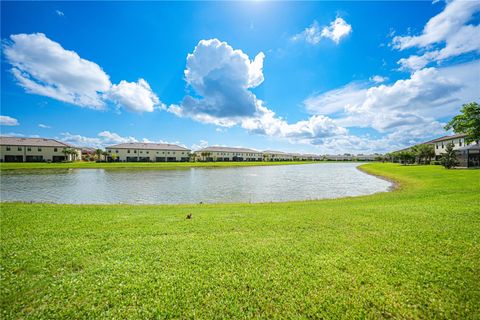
<point>128,151</point>
<point>29,149</point>
<point>460,142</point>
<point>55,149</point>
<point>436,146</point>
<point>148,152</point>
<point>116,151</point>
<point>134,151</point>
<point>39,149</point>
<point>8,148</point>
<point>19,148</point>
<point>109,151</point>
<point>141,151</point>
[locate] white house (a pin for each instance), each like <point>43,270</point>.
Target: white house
<point>147,152</point>
<point>228,154</point>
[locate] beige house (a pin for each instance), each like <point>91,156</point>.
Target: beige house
<point>13,149</point>
<point>147,152</point>
<point>440,144</point>
<point>270,155</point>
<point>228,154</point>
<point>468,154</point>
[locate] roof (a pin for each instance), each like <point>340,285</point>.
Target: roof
<point>33,142</point>
<point>227,149</point>
<point>148,146</point>
<point>273,151</point>
<point>455,136</point>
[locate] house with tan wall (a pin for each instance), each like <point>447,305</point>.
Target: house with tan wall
<point>228,154</point>
<point>15,149</point>
<point>147,152</point>
<point>271,155</point>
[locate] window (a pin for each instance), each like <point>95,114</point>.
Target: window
<point>141,151</point>
<point>109,151</point>
<point>116,151</point>
<point>55,149</point>
<point>436,145</point>
<point>39,149</point>
<point>29,149</point>
<point>19,148</point>
<point>128,151</point>
<point>8,148</point>
<point>148,152</point>
<point>134,151</point>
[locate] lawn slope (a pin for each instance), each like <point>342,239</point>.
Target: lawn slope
<point>411,253</point>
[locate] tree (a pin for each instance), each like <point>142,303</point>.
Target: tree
<point>98,154</point>
<point>467,122</point>
<point>423,153</point>
<point>405,156</point>
<point>114,157</point>
<point>66,152</point>
<point>449,158</point>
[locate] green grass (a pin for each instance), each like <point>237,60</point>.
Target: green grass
<point>411,253</point>
<point>137,165</point>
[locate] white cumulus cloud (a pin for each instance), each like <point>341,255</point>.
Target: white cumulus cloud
<point>446,35</point>
<point>42,66</point>
<point>134,96</point>
<point>222,77</point>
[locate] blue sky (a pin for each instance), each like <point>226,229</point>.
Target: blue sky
<point>322,77</point>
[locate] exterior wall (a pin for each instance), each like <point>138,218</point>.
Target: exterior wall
<point>229,156</point>
<point>278,156</point>
<point>147,155</point>
<point>440,146</point>
<point>33,154</point>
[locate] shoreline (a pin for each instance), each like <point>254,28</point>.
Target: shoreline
<point>10,166</point>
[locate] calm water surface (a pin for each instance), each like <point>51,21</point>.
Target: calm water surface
<point>194,185</point>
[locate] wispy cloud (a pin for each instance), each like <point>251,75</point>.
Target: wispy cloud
<point>8,121</point>
<point>313,34</point>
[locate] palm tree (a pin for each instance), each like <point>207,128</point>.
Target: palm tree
<point>98,154</point>
<point>66,152</point>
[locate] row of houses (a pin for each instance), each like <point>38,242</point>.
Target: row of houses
<point>14,149</point>
<point>468,154</point>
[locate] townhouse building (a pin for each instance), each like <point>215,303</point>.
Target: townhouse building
<point>16,149</point>
<point>147,152</point>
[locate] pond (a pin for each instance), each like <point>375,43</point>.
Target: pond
<point>193,185</point>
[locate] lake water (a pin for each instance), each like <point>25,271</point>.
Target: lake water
<point>194,185</point>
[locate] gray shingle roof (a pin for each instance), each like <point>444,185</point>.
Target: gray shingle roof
<point>34,142</point>
<point>148,146</point>
<point>227,149</point>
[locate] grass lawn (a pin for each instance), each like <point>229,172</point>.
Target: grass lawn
<point>137,165</point>
<point>411,253</point>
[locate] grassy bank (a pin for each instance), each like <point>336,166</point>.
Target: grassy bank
<point>411,253</point>
<point>137,165</point>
